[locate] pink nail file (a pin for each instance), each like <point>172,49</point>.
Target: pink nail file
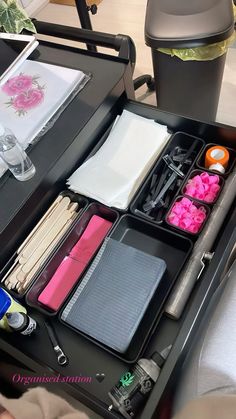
<point>72,266</point>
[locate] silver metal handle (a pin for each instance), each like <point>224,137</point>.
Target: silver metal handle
<point>207,256</point>
<point>61,357</point>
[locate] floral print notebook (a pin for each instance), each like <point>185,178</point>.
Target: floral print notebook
<point>30,98</point>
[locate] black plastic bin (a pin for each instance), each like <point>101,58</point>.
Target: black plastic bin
<point>189,88</point>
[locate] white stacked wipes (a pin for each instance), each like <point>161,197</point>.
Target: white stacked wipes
<point>113,175</point>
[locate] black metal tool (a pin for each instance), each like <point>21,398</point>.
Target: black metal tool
<point>61,357</point>
<point>158,201</point>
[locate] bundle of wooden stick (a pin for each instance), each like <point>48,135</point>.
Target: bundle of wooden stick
<point>34,251</point>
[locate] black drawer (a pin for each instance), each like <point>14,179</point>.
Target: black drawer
<point>86,358</point>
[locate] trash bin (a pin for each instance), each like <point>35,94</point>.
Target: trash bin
<point>198,32</point>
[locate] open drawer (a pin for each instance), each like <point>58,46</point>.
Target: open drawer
<point>87,359</point>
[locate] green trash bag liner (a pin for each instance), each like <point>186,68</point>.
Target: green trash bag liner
<point>205,53</point>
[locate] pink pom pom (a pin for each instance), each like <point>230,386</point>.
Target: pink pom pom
<point>205,177</point>
<point>177,208</point>
<point>203,187</point>
<point>201,196</point>
<point>192,210</point>
<point>173,219</point>
<point>206,187</point>
<point>185,223</point>
<point>215,188</point>
<point>202,209</point>
<point>190,217</point>
<point>190,190</point>
<point>200,190</point>
<point>210,197</point>
<point>214,179</point>
<point>190,181</point>
<point>197,180</point>
<point>185,202</point>
<point>199,218</point>
<point>194,228</point>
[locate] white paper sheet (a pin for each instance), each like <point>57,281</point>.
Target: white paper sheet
<point>115,172</point>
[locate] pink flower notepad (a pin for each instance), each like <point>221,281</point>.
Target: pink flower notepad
<point>30,98</point>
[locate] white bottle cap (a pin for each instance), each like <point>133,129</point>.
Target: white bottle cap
<point>2,129</point>
<point>217,167</point>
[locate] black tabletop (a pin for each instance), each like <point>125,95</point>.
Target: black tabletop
<point>61,149</point>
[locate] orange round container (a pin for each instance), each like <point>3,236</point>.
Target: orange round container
<point>217,154</point>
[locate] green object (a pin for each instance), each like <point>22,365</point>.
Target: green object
<point>205,53</point>
<point>127,379</point>
<point>13,18</point>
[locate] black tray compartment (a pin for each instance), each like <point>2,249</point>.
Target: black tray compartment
<point>196,172</point>
<point>85,357</point>
<point>179,139</point>
<point>201,160</point>
<point>179,230</point>
<point>83,203</point>
<point>158,242</point>
<point>64,249</point>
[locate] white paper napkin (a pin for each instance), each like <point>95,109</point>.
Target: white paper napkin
<point>115,172</point>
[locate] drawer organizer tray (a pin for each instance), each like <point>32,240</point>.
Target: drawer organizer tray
<point>63,250</point>
<point>155,241</point>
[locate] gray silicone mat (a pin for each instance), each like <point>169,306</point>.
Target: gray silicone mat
<point>113,296</point>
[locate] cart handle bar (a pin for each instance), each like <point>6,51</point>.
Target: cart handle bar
<point>121,43</point>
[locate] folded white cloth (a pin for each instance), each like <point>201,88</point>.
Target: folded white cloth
<point>113,175</point>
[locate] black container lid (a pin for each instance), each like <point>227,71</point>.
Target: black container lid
<point>188,23</point>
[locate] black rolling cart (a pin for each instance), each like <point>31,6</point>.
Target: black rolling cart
<point>56,155</point>
<point>77,128</point>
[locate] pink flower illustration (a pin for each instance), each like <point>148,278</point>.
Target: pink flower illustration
<point>17,84</point>
<point>25,93</point>
<point>28,99</point>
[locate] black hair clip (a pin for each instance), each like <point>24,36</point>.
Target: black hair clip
<point>163,187</point>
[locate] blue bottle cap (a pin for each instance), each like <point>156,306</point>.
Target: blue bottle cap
<point>5,302</point>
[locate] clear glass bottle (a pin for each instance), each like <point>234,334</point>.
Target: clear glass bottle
<point>14,156</point>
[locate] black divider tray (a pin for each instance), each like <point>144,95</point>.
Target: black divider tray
<point>63,250</point>
<point>83,203</point>
<point>182,140</point>
<point>156,241</point>
<point>86,358</point>
<point>196,172</point>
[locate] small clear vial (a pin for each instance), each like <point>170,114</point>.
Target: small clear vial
<point>14,156</point>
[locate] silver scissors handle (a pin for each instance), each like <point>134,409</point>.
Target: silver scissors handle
<point>61,357</point>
